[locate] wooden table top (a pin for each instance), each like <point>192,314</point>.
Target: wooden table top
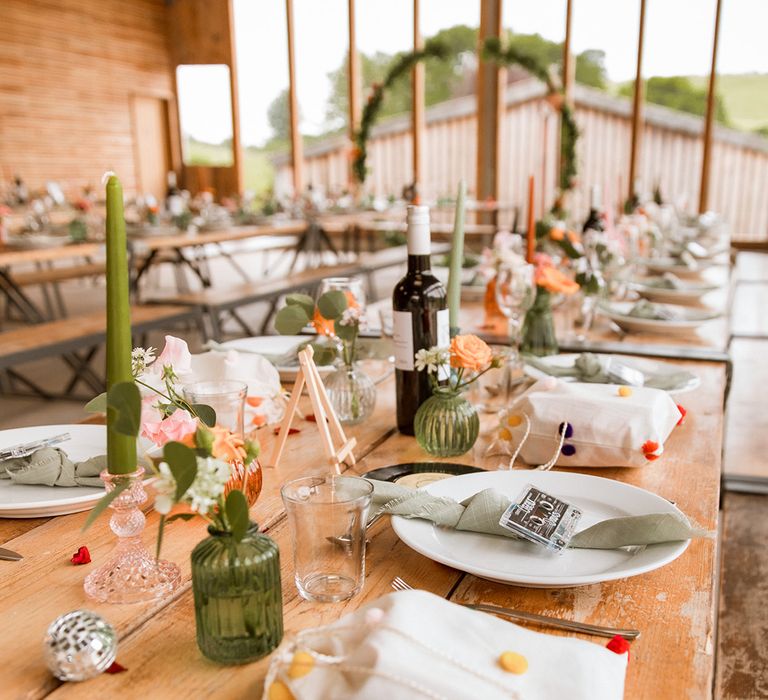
<point>234,233</point>
<point>673,606</point>
<point>15,256</point>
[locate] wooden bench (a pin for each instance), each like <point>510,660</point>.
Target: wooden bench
<point>60,274</point>
<point>215,302</point>
<point>76,341</point>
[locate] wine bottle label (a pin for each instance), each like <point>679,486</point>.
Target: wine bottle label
<point>402,335</point>
<point>443,339</point>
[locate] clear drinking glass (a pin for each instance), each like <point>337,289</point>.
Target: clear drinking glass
<point>515,290</point>
<point>353,285</point>
<point>490,392</point>
<point>227,398</point>
<point>327,516</point>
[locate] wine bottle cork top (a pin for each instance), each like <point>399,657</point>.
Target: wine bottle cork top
<point>418,230</point>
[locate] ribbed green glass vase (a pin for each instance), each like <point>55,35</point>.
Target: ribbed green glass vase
<point>446,424</point>
<point>539,327</point>
<point>238,600</point>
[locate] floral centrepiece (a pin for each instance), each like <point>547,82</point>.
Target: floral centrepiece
<point>539,328</point>
<point>167,417</point>
<point>338,317</point>
<point>446,424</point>
<point>236,570</point>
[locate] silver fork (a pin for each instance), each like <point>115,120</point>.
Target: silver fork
<point>558,623</point>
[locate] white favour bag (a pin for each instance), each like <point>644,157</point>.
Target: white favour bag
<point>414,645</point>
<point>570,424</point>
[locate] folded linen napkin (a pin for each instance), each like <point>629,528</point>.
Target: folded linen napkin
<point>482,512</point>
<point>654,312</point>
<point>413,645</point>
<point>595,369</point>
<point>50,466</point>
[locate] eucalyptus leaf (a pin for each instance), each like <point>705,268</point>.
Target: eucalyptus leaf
<point>124,408</point>
<point>236,508</point>
<point>345,332</point>
<point>332,304</point>
<point>182,462</point>
<point>98,404</point>
<point>290,320</point>
<point>568,248</point>
<point>103,502</point>
<point>305,301</point>
<point>181,516</point>
<point>324,354</point>
<point>205,413</point>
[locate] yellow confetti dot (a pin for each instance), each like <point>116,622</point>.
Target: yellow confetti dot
<point>514,420</point>
<point>280,691</point>
<point>625,391</point>
<point>504,434</point>
<point>513,662</point>
<point>301,664</point>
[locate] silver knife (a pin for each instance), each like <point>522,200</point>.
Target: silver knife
<point>27,448</point>
<point>9,555</point>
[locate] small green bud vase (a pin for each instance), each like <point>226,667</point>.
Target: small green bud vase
<point>238,598</point>
<point>539,327</point>
<point>446,424</point>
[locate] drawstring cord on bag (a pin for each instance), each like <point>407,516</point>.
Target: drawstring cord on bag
<point>551,462</point>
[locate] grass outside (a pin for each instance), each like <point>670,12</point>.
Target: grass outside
<point>258,173</point>
<point>745,96</point>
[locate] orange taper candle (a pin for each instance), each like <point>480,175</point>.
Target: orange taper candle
<point>531,248</point>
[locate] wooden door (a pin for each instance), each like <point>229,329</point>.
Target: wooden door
<point>152,142</point>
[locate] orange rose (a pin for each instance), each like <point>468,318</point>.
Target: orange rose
<point>573,236</point>
<point>469,352</point>
<point>227,446</point>
<point>556,234</point>
<point>555,281</point>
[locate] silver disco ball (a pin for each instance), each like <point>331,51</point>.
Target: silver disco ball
<point>79,645</point>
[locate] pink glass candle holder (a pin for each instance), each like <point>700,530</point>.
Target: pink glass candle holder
<point>132,575</point>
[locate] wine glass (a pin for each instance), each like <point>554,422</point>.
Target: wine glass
<point>515,290</point>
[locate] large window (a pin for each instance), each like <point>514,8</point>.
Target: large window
<point>262,75</point>
<point>205,114</point>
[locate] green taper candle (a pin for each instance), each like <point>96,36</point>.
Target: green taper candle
<point>121,449</point>
<point>457,260</point>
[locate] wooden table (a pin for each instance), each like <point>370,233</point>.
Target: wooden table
<point>149,248</point>
<point>673,606</point>
<point>11,257</point>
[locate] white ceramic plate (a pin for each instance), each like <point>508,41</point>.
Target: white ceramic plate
<point>690,292</point>
<point>689,319</point>
<point>526,564</point>
<point>25,501</point>
<point>692,381</point>
<point>277,349</point>
<point>662,265</point>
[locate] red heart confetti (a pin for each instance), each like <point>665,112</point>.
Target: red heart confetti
<point>81,556</point>
<point>618,645</point>
<point>116,668</point>
<point>310,417</point>
<point>291,431</point>
<point>683,414</point>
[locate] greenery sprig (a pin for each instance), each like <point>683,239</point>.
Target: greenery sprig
<point>403,63</point>
<point>569,132</point>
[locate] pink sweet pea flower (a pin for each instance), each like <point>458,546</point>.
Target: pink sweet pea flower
<point>175,427</point>
<point>176,355</point>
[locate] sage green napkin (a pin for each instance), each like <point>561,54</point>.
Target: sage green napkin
<point>482,512</point>
<point>593,369</point>
<point>50,466</point>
